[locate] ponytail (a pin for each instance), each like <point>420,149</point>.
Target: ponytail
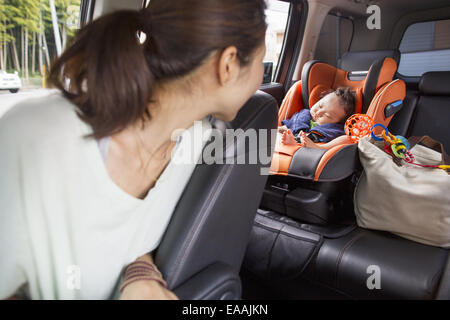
<point>110,80</point>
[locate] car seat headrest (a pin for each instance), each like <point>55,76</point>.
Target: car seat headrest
<point>435,83</point>
<point>319,76</point>
<point>360,61</point>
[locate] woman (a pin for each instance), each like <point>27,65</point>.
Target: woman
<point>87,183</point>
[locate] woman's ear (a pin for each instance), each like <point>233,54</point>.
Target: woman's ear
<point>228,66</point>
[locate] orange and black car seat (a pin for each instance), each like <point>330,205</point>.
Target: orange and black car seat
<point>315,185</point>
<point>369,75</point>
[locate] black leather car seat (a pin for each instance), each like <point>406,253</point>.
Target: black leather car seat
<point>427,111</point>
<point>203,247</point>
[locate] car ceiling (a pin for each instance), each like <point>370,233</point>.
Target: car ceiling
<point>393,7</point>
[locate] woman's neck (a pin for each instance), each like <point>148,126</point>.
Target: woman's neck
<point>168,113</point>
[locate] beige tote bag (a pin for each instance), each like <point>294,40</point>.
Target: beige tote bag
<point>410,201</point>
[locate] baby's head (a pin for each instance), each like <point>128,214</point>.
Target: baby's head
<point>334,107</point>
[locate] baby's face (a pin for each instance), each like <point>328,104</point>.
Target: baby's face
<point>328,110</point>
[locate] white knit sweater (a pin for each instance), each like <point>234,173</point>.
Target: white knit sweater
<point>66,229</point>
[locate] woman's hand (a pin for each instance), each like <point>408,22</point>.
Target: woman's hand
<point>147,289</point>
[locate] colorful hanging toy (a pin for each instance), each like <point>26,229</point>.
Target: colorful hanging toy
<point>361,125</point>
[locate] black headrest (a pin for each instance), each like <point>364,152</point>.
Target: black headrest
<point>435,83</point>
<point>362,60</point>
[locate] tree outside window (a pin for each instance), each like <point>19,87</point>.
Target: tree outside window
<point>32,33</point>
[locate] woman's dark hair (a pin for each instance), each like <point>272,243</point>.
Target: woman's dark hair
<point>112,75</point>
<point>347,99</point>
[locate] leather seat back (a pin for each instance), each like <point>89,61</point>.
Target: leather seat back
<point>432,109</point>
<point>211,224</point>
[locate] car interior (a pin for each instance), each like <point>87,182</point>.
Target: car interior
<point>305,243</point>
<point>237,234</point>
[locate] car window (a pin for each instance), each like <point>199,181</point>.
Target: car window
<point>334,39</point>
<point>33,36</point>
<point>425,46</point>
<point>276,16</point>
<point>30,38</point>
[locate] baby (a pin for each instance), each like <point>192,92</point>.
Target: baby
<point>323,122</point>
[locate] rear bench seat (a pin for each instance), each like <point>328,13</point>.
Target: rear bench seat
<point>427,112</point>
<point>289,256</point>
